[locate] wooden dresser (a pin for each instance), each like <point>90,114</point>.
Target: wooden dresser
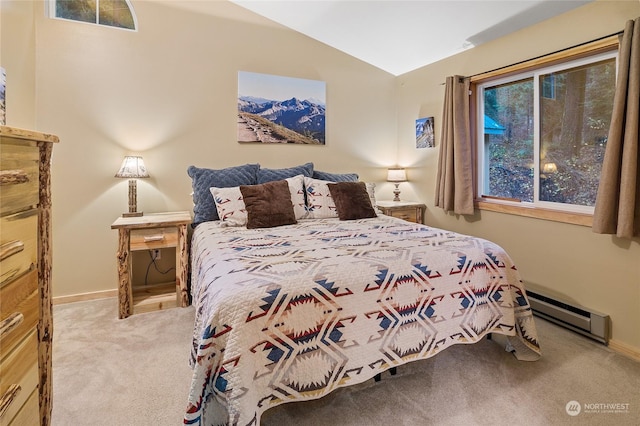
<point>26,328</point>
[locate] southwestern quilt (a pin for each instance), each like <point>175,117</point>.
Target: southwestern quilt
<point>294,312</point>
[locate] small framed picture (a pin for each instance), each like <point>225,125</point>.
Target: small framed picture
<point>424,133</point>
<point>3,102</point>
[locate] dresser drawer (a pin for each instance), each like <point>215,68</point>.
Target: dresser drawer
<point>29,414</point>
<point>18,310</point>
<point>152,238</point>
<point>410,214</point>
<point>19,177</point>
<point>18,244</point>
<point>19,377</point>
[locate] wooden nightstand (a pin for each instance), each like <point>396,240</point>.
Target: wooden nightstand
<point>148,232</point>
<point>407,210</point>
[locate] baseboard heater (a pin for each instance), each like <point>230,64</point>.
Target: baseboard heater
<point>577,318</point>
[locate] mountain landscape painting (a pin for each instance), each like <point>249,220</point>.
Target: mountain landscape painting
<point>276,109</point>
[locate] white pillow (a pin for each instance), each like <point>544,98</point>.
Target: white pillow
<point>371,190</point>
<point>296,186</point>
<point>320,204</point>
<point>230,205</point>
<point>233,212</point>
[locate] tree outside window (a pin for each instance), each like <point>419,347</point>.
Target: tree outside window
<point>554,122</point>
<point>113,13</point>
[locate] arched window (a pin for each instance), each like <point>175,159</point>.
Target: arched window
<point>112,13</point>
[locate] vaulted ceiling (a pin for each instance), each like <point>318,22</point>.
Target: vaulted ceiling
<point>400,36</point>
<point>396,36</point>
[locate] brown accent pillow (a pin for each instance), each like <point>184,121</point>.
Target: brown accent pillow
<point>268,204</point>
<point>352,200</point>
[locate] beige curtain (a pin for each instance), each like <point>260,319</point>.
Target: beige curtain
<point>454,179</point>
<point>617,208</point>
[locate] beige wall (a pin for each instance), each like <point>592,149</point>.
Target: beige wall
<point>600,272</point>
<point>168,92</point>
<point>17,57</point>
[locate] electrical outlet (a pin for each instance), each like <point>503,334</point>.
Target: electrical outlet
<point>155,254</point>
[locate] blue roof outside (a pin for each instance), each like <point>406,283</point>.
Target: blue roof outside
<point>491,127</point>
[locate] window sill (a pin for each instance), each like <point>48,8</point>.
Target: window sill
<point>535,212</point>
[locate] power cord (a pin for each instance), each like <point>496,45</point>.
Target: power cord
<point>155,266</point>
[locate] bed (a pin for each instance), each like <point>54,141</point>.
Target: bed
<point>292,312</point>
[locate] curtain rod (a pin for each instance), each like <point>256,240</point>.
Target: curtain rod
<point>546,54</point>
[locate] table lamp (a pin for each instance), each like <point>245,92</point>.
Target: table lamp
<point>132,168</point>
<point>396,175</point>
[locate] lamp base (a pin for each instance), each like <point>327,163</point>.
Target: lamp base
<point>132,214</point>
<point>396,193</point>
<point>133,200</point>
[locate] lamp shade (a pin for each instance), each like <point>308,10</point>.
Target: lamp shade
<point>396,174</point>
<point>132,167</point>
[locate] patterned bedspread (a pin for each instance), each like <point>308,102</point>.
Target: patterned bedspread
<point>292,313</point>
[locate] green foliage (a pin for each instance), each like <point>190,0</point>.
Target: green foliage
<point>114,13</point>
<point>510,168</point>
<point>575,117</point>
<point>77,10</point>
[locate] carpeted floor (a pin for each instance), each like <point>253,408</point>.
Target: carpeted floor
<point>135,372</point>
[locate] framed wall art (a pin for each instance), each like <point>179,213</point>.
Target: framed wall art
<point>3,102</point>
<point>276,109</point>
<point>424,133</point>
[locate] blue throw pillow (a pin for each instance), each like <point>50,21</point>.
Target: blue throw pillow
<point>335,177</point>
<point>270,175</point>
<point>204,208</point>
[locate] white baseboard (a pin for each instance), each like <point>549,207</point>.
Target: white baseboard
<point>60,300</point>
<point>625,349</point>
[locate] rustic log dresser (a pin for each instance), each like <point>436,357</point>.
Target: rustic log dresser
<point>26,328</point>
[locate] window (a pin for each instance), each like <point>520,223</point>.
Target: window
<point>112,13</point>
<point>542,134</point>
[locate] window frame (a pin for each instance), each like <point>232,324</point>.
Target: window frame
<point>51,13</point>
<point>602,48</point>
